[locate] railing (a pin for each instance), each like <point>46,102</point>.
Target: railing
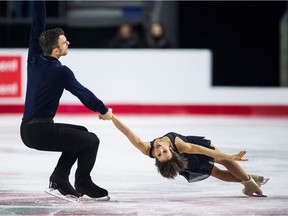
<point>83,13</point>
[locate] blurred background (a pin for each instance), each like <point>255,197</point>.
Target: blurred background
<point>219,67</point>
<point>248,39</point>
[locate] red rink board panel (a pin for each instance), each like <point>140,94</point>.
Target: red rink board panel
<point>154,109</point>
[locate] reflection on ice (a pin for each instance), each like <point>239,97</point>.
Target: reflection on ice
<point>134,185</point>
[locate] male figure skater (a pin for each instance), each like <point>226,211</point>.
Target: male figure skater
<point>46,80</point>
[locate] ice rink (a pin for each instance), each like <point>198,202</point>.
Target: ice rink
<point>131,178</point>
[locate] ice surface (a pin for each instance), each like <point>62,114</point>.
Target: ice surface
<point>131,178</point>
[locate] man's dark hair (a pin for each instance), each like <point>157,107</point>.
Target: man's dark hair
<point>49,40</point>
<point>170,169</point>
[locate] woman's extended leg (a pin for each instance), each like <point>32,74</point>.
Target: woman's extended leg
<point>234,168</point>
<point>235,173</point>
<point>224,175</point>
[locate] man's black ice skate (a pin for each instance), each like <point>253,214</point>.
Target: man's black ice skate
<point>63,186</point>
<point>90,189</point>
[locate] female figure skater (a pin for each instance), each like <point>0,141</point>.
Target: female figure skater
<point>193,157</point>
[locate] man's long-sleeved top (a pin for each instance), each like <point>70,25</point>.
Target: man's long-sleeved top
<point>47,77</point>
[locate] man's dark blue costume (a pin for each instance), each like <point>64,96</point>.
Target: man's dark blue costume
<point>46,80</point>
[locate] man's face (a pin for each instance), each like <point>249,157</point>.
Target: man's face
<point>63,44</point>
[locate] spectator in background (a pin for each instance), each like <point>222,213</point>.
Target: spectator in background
<point>126,37</point>
<point>156,36</point>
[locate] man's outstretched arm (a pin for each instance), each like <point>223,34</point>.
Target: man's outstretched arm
<point>38,26</point>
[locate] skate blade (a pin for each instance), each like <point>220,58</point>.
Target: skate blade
<point>265,181</point>
<point>254,194</point>
<point>258,195</point>
<point>57,194</point>
<point>101,199</point>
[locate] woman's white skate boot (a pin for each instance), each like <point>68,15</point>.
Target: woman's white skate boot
<point>260,180</point>
<point>251,188</point>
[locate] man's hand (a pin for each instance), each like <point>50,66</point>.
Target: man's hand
<point>106,116</point>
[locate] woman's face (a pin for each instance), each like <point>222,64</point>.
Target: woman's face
<point>162,152</point>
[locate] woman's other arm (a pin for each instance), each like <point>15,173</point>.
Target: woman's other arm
<point>191,148</point>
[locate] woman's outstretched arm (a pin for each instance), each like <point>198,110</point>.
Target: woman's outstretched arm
<point>191,148</point>
<point>134,139</point>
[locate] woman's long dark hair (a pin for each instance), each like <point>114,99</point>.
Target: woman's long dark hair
<point>170,169</point>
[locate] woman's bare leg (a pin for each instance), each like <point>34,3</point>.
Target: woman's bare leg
<point>235,173</point>
<point>224,175</point>
<point>234,168</point>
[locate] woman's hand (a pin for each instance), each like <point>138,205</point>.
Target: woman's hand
<point>239,156</point>
<point>106,116</point>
